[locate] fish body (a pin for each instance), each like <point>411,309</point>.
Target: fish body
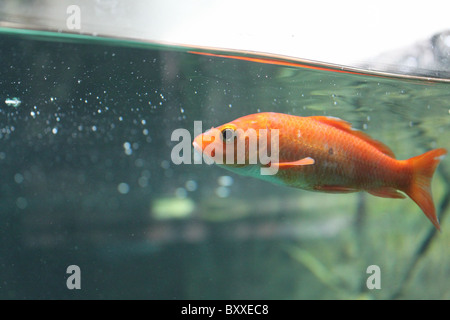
<point>324,154</point>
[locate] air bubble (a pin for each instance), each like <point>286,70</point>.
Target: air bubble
<point>123,188</point>
<point>191,185</point>
<point>21,203</point>
<point>127,148</point>
<point>13,102</point>
<point>18,178</point>
<point>225,181</point>
<point>222,192</point>
<point>143,182</point>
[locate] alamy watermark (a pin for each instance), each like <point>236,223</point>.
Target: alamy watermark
<point>374,280</point>
<point>74,280</point>
<point>73,21</point>
<point>228,146</point>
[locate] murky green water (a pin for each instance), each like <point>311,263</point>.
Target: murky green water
<point>87,179</point>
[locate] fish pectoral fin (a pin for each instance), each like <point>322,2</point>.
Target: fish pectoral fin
<point>387,192</point>
<point>302,162</point>
<point>335,189</point>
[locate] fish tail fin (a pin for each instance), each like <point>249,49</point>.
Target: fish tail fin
<point>419,190</point>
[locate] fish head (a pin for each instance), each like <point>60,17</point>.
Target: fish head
<point>234,143</point>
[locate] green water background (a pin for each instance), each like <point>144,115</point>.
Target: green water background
<point>87,179</point>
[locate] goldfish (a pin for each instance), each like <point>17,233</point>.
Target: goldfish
<point>320,153</point>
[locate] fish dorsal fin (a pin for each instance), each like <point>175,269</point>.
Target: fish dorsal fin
<point>347,127</point>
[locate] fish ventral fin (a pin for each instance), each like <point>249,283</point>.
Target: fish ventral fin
<point>302,162</point>
<point>347,127</point>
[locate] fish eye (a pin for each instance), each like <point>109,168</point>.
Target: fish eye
<point>227,134</point>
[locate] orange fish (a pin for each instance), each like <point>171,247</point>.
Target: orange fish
<point>321,153</point>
